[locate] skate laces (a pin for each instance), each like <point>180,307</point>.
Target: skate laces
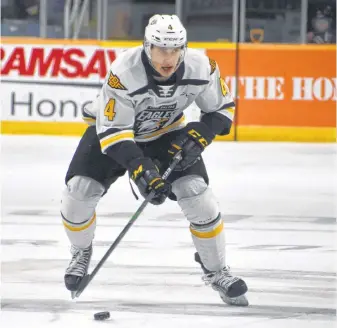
<point>80,261</point>
<point>222,278</point>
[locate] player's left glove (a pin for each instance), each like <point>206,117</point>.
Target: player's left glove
<point>192,140</point>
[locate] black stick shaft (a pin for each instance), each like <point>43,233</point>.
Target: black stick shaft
<point>87,279</point>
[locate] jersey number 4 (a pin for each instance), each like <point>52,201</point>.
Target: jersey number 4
<point>109,110</point>
<point>223,87</point>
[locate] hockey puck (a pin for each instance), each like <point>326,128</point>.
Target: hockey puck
<point>102,315</point>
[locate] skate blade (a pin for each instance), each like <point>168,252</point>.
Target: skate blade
<point>83,284</point>
<point>240,300</point>
<point>235,301</point>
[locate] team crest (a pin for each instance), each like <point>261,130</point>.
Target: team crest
<point>115,83</point>
<point>212,62</point>
<point>154,118</point>
<point>170,27</point>
<point>256,35</point>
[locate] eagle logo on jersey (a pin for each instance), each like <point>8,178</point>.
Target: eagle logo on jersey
<point>212,62</point>
<point>115,83</point>
<point>154,118</point>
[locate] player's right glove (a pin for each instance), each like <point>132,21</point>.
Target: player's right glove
<point>146,176</point>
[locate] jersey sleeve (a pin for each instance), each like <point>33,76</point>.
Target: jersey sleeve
<point>115,120</point>
<point>216,103</point>
<point>89,113</point>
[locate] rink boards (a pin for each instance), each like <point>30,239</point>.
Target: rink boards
<point>283,92</point>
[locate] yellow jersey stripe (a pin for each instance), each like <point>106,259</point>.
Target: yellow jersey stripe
<point>110,141</point>
<point>207,234</point>
<point>163,130</point>
<point>87,225</point>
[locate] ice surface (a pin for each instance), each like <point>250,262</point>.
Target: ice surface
<point>279,205</point>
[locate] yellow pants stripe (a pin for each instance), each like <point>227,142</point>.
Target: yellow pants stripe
<point>207,234</point>
<point>87,225</point>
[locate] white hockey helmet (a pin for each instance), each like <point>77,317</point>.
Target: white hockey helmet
<point>165,31</point>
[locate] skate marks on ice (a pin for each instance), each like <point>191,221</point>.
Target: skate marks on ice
<point>311,286</point>
<point>174,220</point>
<point>174,216</point>
<point>176,308</point>
<point>145,245</point>
<point>303,295</point>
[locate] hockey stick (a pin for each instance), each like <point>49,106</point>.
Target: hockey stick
<point>87,278</point>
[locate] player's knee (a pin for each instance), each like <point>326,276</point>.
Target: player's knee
<point>196,200</point>
<point>79,199</point>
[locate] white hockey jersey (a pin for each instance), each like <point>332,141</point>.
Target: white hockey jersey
<point>131,106</point>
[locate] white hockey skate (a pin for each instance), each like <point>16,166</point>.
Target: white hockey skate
<point>231,289</point>
<point>78,267</point>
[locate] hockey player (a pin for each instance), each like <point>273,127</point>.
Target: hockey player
<point>137,127</point>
